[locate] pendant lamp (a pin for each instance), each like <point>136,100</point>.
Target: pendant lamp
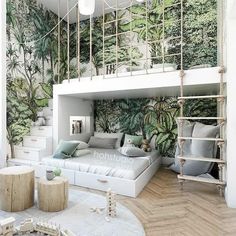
<point>86,7</point>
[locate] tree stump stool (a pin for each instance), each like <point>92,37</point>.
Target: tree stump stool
<point>53,194</point>
<point>16,188</point>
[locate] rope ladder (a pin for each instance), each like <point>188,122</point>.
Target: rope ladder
<point>220,98</point>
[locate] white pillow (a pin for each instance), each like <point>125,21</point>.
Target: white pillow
<point>110,135</point>
<point>81,144</point>
<point>132,152</point>
<point>79,153</point>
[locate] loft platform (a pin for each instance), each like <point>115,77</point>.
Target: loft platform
<point>196,82</point>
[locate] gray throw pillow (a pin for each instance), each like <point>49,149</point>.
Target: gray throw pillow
<point>204,148</point>
<point>118,136</point>
<point>187,132</point>
<point>107,143</point>
<point>198,148</point>
<point>132,151</point>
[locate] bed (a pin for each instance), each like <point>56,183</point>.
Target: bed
<point>106,168</point>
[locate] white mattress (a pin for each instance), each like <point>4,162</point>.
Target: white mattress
<point>108,162</point>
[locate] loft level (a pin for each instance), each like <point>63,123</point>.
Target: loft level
<point>196,82</point>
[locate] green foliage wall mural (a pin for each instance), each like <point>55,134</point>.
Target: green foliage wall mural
<point>150,117</point>
<point>32,68</point>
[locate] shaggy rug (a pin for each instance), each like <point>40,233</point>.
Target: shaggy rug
<point>79,218</point>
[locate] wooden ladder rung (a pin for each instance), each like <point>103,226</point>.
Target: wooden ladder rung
<point>203,139</point>
<point>201,179</point>
<point>201,97</point>
<point>192,158</point>
<point>200,118</point>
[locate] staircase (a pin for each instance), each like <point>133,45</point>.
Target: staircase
<point>38,143</point>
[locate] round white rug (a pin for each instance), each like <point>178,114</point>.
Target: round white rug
<point>79,218</point>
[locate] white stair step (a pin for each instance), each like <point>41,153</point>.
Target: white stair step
<point>201,179</point>
<point>49,120</point>
<point>29,153</point>
<point>45,131</point>
<point>38,142</point>
<point>47,111</point>
<point>202,159</point>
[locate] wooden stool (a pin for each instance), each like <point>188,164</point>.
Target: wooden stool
<point>16,188</point>
<point>53,194</point>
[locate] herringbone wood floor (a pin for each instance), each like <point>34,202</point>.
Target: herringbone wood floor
<point>197,210</point>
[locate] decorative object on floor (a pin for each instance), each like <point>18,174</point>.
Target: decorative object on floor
<point>41,120</point>
<point>53,195</point>
<point>97,210</point>
<point>111,203</point>
<point>79,219</point>
<point>50,175</point>
<point>57,172</point>
<point>16,188</point>
<point>7,226</point>
<point>28,227</point>
<point>146,146</point>
<point>46,228</point>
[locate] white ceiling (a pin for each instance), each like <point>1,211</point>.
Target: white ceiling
<point>152,92</point>
<point>53,6</point>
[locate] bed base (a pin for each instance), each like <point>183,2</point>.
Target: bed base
<point>121,186</point>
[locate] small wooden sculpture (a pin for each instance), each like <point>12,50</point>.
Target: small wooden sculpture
<point>7,226</point>
<point>28,226</point>
<point>111,204</point>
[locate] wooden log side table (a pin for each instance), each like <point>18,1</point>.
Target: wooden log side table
<point>53,194</point>
<point>16,188</point>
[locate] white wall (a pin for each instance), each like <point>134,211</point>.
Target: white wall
<point>231,103</point>
<point>63,108</point>
<point>2,83</point>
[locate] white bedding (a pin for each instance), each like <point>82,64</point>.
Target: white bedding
<point>108,162</point>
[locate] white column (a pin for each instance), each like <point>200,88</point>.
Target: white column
<point>231,102</point>
<point>3,83</point>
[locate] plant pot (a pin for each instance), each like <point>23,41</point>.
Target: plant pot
<point>50,175</point>
<point>166,161</point>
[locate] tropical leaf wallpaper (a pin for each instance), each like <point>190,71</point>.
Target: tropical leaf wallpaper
<point>150,117</point>
<point>32,64</point>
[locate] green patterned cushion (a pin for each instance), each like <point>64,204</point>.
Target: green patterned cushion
<point>65,147</point>
<point>136,139</point>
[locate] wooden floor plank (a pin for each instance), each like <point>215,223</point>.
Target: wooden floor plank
<point>166,210</point>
